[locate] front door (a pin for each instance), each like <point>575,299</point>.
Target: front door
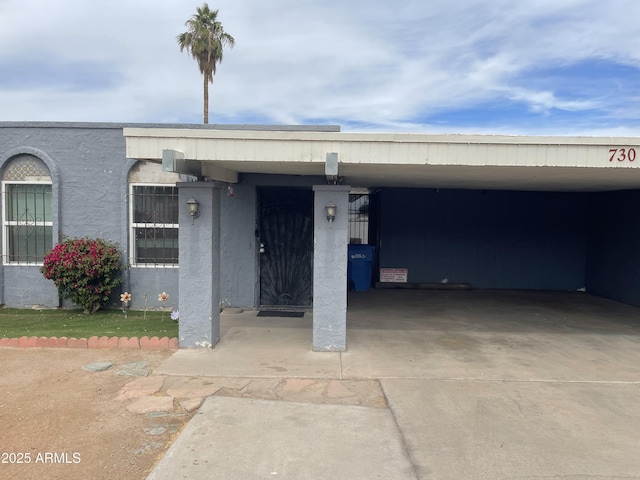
<point>286,247</point>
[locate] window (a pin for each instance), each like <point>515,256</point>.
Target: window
<point>358,218</point>
<point>154,225</point>
<point>27,216</point>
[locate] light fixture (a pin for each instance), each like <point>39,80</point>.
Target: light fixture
<point>194,209</point>
<point>331,211</point>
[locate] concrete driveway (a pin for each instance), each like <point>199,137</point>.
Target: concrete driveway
<point>479,385</point>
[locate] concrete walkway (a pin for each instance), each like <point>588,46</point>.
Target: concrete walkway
<point>434,385</point>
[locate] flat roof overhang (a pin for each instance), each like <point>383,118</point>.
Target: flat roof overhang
<point>404,160</point>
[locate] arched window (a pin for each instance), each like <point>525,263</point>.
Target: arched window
<point>27,216</point>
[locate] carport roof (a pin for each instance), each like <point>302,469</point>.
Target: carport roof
<point>404,160</point>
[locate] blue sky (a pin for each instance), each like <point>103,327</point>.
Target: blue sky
<point>543,67</point>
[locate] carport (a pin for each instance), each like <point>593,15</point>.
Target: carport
<point>479,384</point>
<point>489,335</point>
<point>495,212</point>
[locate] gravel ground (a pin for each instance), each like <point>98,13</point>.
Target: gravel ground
<point>60,421</point>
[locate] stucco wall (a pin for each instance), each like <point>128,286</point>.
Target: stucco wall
<point>91,189</point>
<point>330,268</point>
<point>151,282</point>
<point>238,246</point>
<point>25,287</point>
<point>491,239</point>
<point>89,163</point>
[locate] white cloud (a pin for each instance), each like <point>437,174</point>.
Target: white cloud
<point>543,101</point>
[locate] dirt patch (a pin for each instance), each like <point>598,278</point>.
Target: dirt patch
<point>61,421</point>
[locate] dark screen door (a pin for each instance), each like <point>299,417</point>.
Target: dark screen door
<point>286,245</point>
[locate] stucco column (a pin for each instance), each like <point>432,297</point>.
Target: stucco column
<point>199,275</point>
<point>330,241</point>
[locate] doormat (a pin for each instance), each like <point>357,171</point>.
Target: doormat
<point>280,313</point>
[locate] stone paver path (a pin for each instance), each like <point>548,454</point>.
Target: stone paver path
<point>184,395</point>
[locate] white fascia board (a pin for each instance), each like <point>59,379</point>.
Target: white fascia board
<point>251,147</point>
<point>375,137</point>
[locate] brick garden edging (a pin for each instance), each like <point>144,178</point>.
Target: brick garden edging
<point>142,343</point>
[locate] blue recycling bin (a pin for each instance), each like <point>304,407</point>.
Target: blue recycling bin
<point>360,266</point>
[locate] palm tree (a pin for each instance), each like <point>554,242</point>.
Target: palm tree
<point>204,41</point>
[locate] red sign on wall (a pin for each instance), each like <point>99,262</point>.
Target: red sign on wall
<point>394,275</point>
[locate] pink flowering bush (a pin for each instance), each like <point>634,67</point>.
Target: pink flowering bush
<point>84,270</point>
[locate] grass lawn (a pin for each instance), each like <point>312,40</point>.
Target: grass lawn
<point>73,323</point>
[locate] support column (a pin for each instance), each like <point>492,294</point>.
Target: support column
<point>330,240</point>
<point>199,276</point>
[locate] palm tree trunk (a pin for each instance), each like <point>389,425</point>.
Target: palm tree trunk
<point>206,99</point>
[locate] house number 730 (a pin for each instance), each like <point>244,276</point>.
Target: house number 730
<point>622,154</point>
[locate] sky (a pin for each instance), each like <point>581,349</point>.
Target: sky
<point>525,67</point>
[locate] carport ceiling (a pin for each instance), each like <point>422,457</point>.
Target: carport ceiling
<point>458,176</point>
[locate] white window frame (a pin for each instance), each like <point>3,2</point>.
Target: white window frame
<point>6,223</point>
<point>133,226</point>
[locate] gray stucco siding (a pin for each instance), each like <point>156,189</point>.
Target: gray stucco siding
<point>91,187</point>
<point>238,257</point>
<point>25,287</point>
<point>91,194</point>
<point>89,162</point>
<point>152,282</point>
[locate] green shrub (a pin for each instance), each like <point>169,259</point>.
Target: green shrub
<point>84,270</point>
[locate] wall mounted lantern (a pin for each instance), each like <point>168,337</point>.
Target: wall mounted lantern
<point>194,209</point>
<point>331,211</point>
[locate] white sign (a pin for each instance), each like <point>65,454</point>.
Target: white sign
<point>394,275</point>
